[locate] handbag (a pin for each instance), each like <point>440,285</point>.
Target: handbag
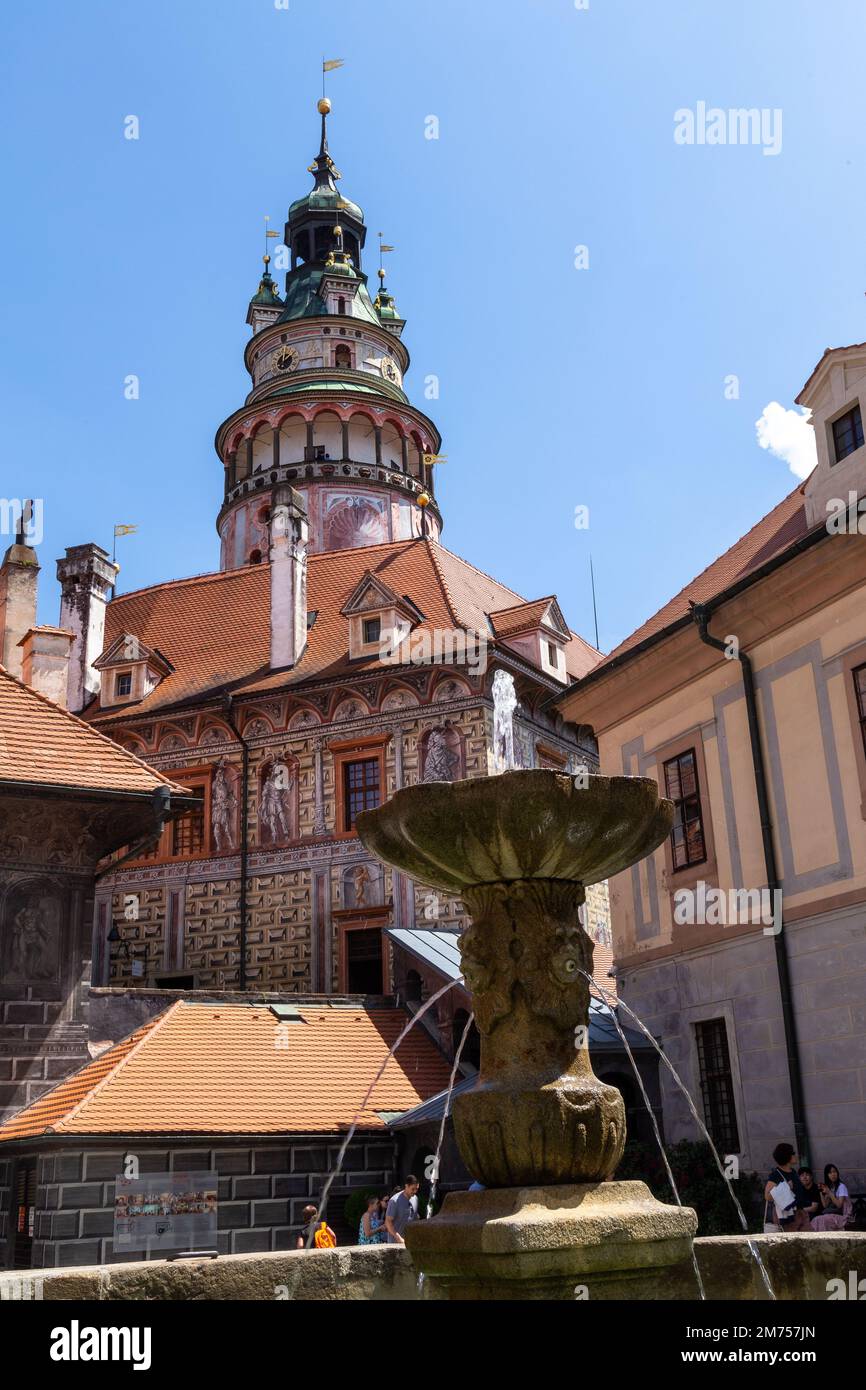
<point>782,1196</point>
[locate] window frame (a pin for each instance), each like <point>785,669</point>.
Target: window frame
<point>681,802</point>
<point>345,751</point>
<point>855,414</point>
<point>708,1078</point>
<point>852,662</point>
<point>189,778</point>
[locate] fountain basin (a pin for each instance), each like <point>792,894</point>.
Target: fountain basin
<point>518,825</point>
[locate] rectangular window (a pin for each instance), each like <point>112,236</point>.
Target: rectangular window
<point>361,787</point>
<point>552,654</point>
<point>372,629</point>
<point>188,831</point>
<point>688,845</point>
<point>859,674</point>
<point>717,1084</point>
<point>123,683</point>
<point>847,433</point>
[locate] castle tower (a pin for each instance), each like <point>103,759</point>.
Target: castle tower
<point>327,414</point>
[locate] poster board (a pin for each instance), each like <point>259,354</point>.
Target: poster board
<point>166,1211</point>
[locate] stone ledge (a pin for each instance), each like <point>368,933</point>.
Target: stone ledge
<point>800,1267</point>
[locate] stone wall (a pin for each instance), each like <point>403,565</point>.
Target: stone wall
<point>800,1267</point>
<point>737,981</point>
<point>263,1188</point>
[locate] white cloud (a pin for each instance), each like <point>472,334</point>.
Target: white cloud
<point>788,435</point>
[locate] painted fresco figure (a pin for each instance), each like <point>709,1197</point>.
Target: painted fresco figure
<point>275,803</point>
<point>223,803</point>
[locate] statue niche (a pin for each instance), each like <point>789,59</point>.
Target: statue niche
<point>278,800</point>
<point>441,755</point>
<point>30,944</point>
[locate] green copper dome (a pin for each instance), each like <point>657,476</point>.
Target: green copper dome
<point>325,200</point>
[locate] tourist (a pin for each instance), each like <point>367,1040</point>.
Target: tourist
<point>835,1200</point>
<point>314,1233</point>
<point>785,1211</point>
<point>810,1187</point>
<point>402,1208</point>
<point>372,1228</point>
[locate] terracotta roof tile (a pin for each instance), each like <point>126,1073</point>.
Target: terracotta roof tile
<point>780,528</point>
<point>214,628</point>
<point>42,744</point>
<point>217,1069</point>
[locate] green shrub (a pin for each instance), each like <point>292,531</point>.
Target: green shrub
<point>699,1183</point>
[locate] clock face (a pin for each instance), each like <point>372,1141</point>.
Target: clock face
<point>285,359</point>
<point>391,371</point>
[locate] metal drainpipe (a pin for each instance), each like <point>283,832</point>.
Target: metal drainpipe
<point>245,785</point>
<point>701,614</point>
<point>161,807</point>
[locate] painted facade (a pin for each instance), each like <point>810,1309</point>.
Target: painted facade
<point>693,952</point>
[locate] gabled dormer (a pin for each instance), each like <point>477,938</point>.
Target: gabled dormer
<point>836,395</point>
<point>129,671</point>
<point>537,631</point>
<point>379,619</point>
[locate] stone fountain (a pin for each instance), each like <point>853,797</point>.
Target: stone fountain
<point>539,1130</point>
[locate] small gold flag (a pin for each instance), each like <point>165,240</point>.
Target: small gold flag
<point>383,247</point>
<point>269,233</point>
<point>430,459</point>
<point>330,63</point>
<point>125,530</point>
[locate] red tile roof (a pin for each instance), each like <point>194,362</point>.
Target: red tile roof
<point>521,617</point>
<point>778,530</point>
<point>225,1069</point>
<point>214,628</point>
<point>42,744</point>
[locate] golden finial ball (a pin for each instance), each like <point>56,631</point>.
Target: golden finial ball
<point>381,275</point>
<point>338,230</point>
<point>423,499</point>
<point>323,106</point>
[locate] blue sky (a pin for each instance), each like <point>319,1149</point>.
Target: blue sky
<point>601,387</point>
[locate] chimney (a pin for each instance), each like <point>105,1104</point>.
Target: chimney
<point>86,577</point>
<point>288,554</point>
<point>45,661</point>
<point>18,577</point>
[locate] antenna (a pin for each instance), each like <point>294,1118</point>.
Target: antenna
<point>594,609</point>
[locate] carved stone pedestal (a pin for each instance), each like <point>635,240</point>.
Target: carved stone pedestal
<point>609,1240</point>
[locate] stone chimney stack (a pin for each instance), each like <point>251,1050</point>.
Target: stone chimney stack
<point>289,533</point>
<point>18,579</point>
<point>45,661</point>
<point>86,577</point>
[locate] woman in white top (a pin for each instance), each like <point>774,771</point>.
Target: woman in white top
<point>835,1200</point>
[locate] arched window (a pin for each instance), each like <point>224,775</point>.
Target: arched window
<point>342,355</point>
<point>255,557</point>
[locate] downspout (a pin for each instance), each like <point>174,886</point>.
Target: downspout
<point>245,848</point>
<point>701,614</point>
<point>161,808</point>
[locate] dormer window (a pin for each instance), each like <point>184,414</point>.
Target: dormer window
<point>372,630</point>
<point>847,433</point>
<point>553,654</point>
<point>129,671</point>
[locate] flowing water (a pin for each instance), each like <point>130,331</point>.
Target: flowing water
<point>416,1017</point>
<point>504,704</point>
<point>614,1003</point>
<point>441,1138</point>
<point>652,1115</point>
<point>434,1182</point>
